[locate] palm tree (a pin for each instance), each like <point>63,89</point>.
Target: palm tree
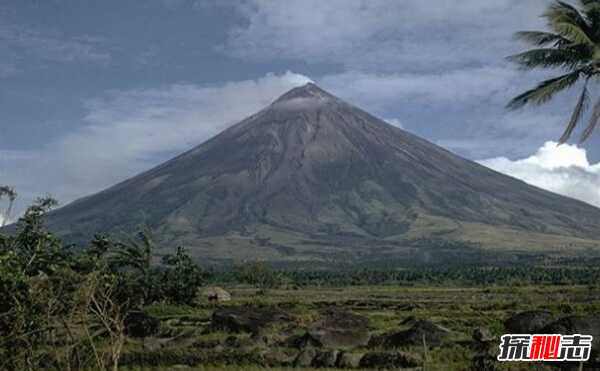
<point>135,256</point>
<point>12,195</point>
<point>573,45</point>
<point>136,253</point>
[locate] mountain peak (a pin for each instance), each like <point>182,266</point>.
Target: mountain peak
<point>307,91</point>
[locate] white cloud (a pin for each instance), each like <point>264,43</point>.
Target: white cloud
<point>18,42</point>
<point>457,86</point>
<point>127,132</point>
<point>381,33</point>
<point>561,169</point>
<point>506,133</point>
<point>395,122</point>
<point>8,221</point>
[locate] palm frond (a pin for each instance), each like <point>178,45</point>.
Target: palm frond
<point>540,38</point>
<point>566,20</point>
<point>574,33</point>
<point>548,57</point>
<point>592,14</point>
<point>580,107</point>
<point>592,124</point>
<point>544,91</point>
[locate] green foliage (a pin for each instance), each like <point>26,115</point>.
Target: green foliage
<point>258,274</point>
<point>181,278</point>
<point>36,283</point>
<point>459,276</point>
<point>51,294</point>
<point>133,260</point>
<point>135,253</point>
<point>573,44</point>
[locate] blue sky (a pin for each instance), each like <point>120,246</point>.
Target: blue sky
<point>93,92</point>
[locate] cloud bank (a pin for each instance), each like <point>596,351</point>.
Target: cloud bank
<point>380,34</point>
<point>561,169</point>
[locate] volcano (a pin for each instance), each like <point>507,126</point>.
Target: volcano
<point>312,179</point>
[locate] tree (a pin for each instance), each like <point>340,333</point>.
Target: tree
<point>59,310</point>
<point>135,254</point>
<point>573,45</point>
<point>133,261</point>
<point>181,277</point>
<point>259,275</point>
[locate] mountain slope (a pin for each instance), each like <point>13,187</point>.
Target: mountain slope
<point>313,178</point>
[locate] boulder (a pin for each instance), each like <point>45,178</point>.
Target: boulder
<point>244,319</point>
<point>139,324</point>
<point>349,360</point>
<point>584,325</point>
<point>206,344</point>
<point>278,357</point>
<point>153,344</point>
<point>232,342</point>
<point>301,342</point>
<point>484,362</point>
<point>212,295</point>
<point>305,358</point>
<point>530,322</point>
<point>432,333</point>
<point>325,359</point>
<point>486,351</point>
<point>339,329</point>
<point>389,360</point>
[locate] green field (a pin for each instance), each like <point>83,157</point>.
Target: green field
<point>388,309</point>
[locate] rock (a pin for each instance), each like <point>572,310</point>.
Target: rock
<point>349,360</point>
<point>484,362</point>
<point>242,344</point>
<point>138,324</point>
<point>212,295</point>
<point>584,325</point>
<point>433,334</point>
<point>482,335</point>
<point>206,344</point>
<point>300,342</point>
<point>325,358</point>
<point>530,322</point>
<point>278,357</point>
<point>243,319</point>
<point>266,338</point>
<point>340,329</point>
<point>409,307</point>
<point>305,358</point>
<point>389,360</point>
<point>152,344</point>
<point>232,342</point>
<point>486,353</point>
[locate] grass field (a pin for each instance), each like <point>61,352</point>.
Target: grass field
<point>388,309</point>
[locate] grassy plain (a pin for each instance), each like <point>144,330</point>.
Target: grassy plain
<point>388,309</point>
